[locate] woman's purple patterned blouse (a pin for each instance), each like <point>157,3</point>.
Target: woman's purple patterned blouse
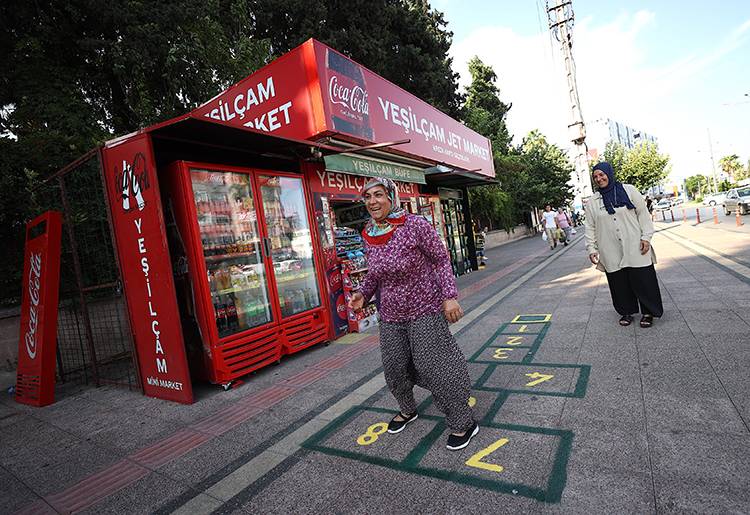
<point>412,271</point>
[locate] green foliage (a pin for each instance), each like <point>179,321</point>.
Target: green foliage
<point>484,111</point>
<point>697,185</point>
<point>77,72</point>
<point>491,207</point>
<point>731,166</point>
<point>642,166</point>
<point>725,185</point>
<point>405,41</point>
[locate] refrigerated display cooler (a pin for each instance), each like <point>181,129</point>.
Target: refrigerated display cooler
<point>255,280</point>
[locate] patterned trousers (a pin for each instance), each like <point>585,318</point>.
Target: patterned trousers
<point>423,352</point>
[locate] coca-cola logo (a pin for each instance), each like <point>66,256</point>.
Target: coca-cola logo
<point>334,280</point>
<point>132,182</point>
<point>341,307</point>
<point>354,97</point>
<point>35,274</point>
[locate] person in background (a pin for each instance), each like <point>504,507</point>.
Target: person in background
<point>564,223</point>
<point>649,204</point>
<point>618,239</point>
<point>549,221</point>
<point>409,265</point>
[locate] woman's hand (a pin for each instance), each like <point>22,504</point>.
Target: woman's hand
<point>356,302</point>
<point>645,247</point>
<point>594,258</point>
<point>452,310</point>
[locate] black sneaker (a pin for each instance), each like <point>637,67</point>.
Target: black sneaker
<point>396,426</point>
<point>456,442</point>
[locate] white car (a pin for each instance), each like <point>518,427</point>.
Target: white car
<point>714,200</point>
<point>677,201</point>
<point>663,205</point>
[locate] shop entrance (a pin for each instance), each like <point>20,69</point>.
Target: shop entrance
<point>455,235</point>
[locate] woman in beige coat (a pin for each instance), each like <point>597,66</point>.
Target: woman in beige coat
<point>618,239</point>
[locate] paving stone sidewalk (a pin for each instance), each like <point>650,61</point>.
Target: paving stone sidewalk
<point>578,414</point>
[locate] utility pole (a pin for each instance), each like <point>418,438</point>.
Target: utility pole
<point>560,17</point>
<point>713,165</point>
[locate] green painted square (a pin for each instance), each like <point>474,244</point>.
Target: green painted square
<point>501,338</point>
<point>532,378</point>
<point>519,456</point>
<point>532,319</point>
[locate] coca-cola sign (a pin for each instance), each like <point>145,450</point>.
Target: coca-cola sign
<point>35,274</point>
<point>353,97</point>
<point>37,335</point>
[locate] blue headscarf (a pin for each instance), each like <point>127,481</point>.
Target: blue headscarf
<point>614,195</point>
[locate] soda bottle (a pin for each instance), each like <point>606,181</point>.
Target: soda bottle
<point>221,317</point>
<point>232,319</point>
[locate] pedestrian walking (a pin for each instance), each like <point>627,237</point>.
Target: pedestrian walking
<point>549,221</point>
<point>649,204</point>
<point>409,265</point>
<point>564,223</point>
<point>618,239</point>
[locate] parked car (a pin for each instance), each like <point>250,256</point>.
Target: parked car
<point>737,198</point>
<point>714,200</point>
<point>677,201</point>
<point>663,205</point>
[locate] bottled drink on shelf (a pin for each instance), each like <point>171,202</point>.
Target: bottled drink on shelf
<point>232,319</point>
<point>221,317</point>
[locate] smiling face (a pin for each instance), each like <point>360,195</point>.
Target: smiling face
<point>377,202</point>
<point>601,179</point>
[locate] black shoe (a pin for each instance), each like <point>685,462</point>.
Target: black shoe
<point>396,426</point>
<point>456,442</point>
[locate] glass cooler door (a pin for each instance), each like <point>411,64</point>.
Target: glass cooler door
<point>290,243</point>
<point>228,226</point>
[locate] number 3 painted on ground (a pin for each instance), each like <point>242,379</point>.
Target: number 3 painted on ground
<point>476,460</point>
<point>372,433</point>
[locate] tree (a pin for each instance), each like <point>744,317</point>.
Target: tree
<point>642,166</point>
<point>484,111</point>
<point>78,72</point>
<point>696,185</point>
<point>405,41</point>
<point>537,173</point>
<point>732,167</point>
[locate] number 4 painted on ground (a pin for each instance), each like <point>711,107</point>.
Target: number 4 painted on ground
<point>539,378</point>
<point>476,460</point>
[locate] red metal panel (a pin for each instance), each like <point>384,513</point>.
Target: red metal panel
<point>35,379</point>
<point>140,236</point>
<point>275,99</point>
<point>361,104</point>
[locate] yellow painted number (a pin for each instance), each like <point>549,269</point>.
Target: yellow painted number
<point>372,433</point>
<point>472,402</point>
<point>501,353</point>
<point>476,460</point>
<point>538,378</point>
<point>523,328</point>
<point>514,340</point>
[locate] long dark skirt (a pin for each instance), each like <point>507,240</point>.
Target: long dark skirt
<point>634,287</point>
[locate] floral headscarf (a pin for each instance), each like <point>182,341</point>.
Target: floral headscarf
<point>378,233</point>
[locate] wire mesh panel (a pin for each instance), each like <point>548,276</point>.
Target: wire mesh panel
<point>94,340</point>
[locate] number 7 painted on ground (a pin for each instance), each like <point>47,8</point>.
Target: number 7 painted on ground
<point>476,460</point>
<point>540,378</point>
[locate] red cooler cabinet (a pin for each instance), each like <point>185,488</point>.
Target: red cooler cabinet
<point>251,262</point>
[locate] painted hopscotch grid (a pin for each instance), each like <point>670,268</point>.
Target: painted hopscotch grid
<point>415,452</point>
<point>510,340</point>
<point>550,492</point>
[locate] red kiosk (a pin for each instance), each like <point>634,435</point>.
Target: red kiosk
<point>225,218</point>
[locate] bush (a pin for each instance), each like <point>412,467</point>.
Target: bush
<point>698,199</point>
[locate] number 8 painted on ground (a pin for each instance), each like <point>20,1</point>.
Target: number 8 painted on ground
<point>372,433</point>
<point>476,460</point>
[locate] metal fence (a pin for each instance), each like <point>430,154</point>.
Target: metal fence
<point>94,342</point>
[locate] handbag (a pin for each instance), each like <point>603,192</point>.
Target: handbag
<point>544,236</point>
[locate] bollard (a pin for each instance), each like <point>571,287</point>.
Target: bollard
<point>671,213</point>
<point>663,217</point>
<point>684,216</point>
<point>698,215</point>
<point>738,218</point>
<point>716,216</point>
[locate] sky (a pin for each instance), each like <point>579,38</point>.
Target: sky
<point>678,70</point>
